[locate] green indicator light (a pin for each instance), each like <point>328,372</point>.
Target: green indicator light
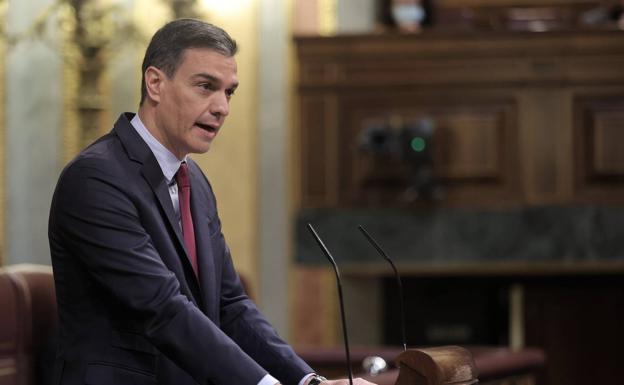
<point>418,144</point>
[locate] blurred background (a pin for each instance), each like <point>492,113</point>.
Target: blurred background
<point>479,141</point>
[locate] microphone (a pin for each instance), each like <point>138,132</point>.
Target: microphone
<point>398,279</point>
<point>342,312</point>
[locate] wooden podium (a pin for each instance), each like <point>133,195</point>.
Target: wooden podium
<point>437,366</point>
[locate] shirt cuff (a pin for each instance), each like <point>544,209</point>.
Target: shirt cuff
<point>268,380</point>
<point>304,379</point>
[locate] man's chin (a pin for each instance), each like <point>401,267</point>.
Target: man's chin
<point>202,148</point>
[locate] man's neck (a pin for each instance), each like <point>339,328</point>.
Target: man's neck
<point>146,114</point>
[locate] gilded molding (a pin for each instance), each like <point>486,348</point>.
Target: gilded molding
<point>89,31</point>
<point>90,34</point>
<point>71,131</point>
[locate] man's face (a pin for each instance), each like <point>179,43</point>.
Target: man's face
<point>194,102</point>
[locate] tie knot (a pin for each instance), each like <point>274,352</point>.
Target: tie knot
<point>182,177</point>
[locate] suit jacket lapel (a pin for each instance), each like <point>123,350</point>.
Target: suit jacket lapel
<point>140,152</point>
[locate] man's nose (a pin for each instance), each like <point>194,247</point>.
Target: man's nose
<point>220,105</point>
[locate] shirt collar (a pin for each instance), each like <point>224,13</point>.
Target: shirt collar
<point>169,163</point>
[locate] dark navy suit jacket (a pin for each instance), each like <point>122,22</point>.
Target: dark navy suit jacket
<point>131,308</point>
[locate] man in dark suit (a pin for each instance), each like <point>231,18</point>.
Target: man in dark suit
<point>146,289</point>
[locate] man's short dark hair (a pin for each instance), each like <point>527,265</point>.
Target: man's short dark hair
<point>166,49</point>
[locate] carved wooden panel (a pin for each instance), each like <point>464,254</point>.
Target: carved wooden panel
<point>471,142</point>
<point>475,148</point>
<point>607,138</point>
<point>599,134</point>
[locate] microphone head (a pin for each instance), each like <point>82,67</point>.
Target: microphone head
<point>324,248</point>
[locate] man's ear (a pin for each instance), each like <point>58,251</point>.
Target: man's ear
<point>154,80</point>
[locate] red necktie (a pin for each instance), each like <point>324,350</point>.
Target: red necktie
<point>184,195</point>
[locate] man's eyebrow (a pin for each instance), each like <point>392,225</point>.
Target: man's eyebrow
<point>207,76</point>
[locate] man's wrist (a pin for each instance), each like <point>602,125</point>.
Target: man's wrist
<point>315,379</point>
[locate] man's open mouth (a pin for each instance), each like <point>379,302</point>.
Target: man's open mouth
<point>206,127</point>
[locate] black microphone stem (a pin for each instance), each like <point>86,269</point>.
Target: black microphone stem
<point>398,279</point>
<point>342,312</point>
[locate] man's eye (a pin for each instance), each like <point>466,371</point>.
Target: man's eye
<point>206,86</point>
<point>229,93</point>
